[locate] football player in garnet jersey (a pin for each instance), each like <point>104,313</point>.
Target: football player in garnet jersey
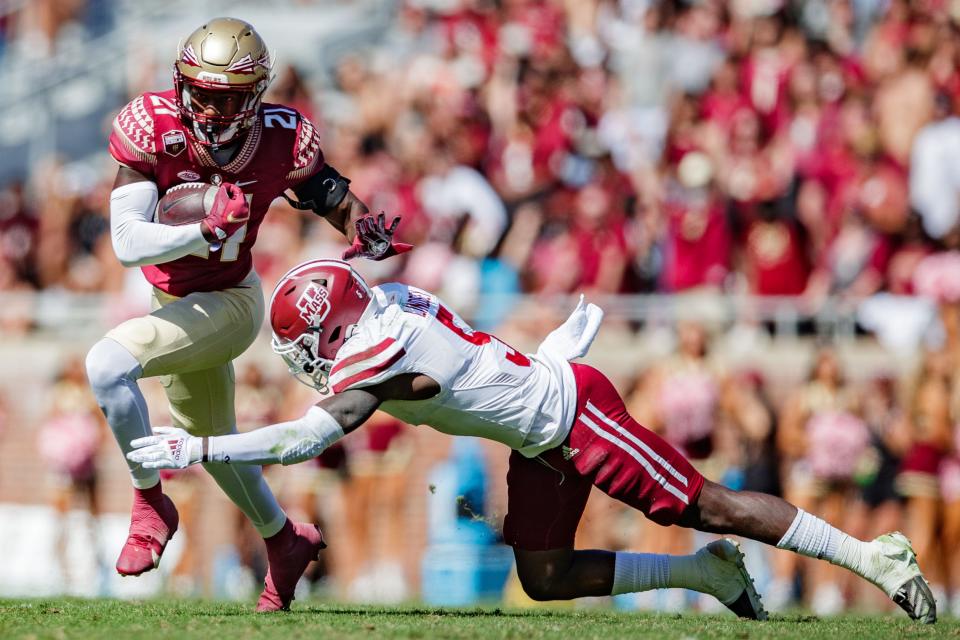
<point>401,350</point>
<point>208,305</point>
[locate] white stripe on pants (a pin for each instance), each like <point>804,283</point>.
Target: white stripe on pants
<point>636,455</point>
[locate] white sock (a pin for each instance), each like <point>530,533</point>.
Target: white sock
<point>810,536</point>
<point>245,486</point>
<point>634,572</point>
<point>113,373</point>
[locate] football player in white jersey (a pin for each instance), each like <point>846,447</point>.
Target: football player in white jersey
<point>399,349</point>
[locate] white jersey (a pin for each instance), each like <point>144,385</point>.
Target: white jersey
<point>487,389</point>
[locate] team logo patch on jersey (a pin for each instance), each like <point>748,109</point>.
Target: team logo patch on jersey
<point>189,176</point>
<point>174,142</point>
<point>313,304</point>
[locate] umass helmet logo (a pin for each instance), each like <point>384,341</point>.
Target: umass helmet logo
<point>313,304</point>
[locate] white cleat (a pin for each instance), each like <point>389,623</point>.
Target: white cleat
<point>728,579</point>
<point>895,571</point>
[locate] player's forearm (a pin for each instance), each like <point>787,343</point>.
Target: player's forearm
<point>346,214</point>
<point>297,440</point>
<point>137,240</point>
<point>284,443</point>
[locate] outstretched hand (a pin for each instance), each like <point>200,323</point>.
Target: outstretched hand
<point>168,448</point>
<point>374,240</point>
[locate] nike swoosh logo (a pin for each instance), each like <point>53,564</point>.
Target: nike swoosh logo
<point>243,184</point>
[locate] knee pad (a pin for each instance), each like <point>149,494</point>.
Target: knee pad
<point>108,364</point>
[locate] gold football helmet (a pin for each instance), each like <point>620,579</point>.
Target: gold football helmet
<point>221,73</point>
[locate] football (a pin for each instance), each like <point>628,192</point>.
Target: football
<point>185,203</point>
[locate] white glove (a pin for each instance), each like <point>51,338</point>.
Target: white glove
<point>168,448</point>
<point>573,338</point>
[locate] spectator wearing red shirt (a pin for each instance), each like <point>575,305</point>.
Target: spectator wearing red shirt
<point>724,98</point>
<point>774,255</point>
<point>854,262</point>
<point>599,234</point>
<point>696,245</point>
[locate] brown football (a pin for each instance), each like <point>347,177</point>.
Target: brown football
<point>185,203</point>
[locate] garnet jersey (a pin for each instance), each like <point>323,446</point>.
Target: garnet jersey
<point>487,389</point>
<point>281,150</point>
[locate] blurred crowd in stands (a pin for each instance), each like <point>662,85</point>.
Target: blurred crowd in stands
<point>644,146</point>
<point>772,148</point>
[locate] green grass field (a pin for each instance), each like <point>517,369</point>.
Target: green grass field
<point>183,620</point>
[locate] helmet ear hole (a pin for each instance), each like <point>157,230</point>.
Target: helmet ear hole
<point>334,334</point>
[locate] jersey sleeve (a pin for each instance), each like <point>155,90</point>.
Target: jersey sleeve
<point>379,351</point>
<point>132,141</point>
<point>307,155</point>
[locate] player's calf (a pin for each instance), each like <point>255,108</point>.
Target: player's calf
<point>113,372</point>
<point>755,515</point>
<point>565,574</point>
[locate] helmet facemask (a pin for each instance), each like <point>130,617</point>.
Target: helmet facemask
<point>302,361</point>
<point>236,108</point>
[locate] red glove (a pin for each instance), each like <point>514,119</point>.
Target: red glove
<point>374,241</point>
<point>229,212</point>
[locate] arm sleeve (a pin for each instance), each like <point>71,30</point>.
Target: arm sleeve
<point>284,443</point>
<point>132,141</point>
<point>137,240</point>
<point>307,155</point>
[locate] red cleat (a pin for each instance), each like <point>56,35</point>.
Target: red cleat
<point>153,521</point>
<point>288,553</point>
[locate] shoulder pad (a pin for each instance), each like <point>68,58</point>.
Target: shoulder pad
<point>366,359</point>
<point>134,129</point>
<point>307,156</point>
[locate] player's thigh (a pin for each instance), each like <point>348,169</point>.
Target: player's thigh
<point>624,459</point>
<point>545,500</point>
<point>201,402</point>
<point>197,332</point>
